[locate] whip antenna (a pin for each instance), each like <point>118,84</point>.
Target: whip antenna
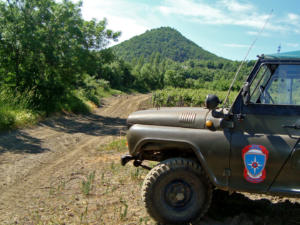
<point>238,70</point>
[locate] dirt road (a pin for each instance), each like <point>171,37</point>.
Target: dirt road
<point>64,171</point>
<point>35,159</point>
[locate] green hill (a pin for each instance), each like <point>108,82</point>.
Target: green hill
<point>165,40</point>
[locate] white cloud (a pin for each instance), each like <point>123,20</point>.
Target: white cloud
<point>293,45</point>
<point>256,33</point>
<point>190,8</point>
<point>225,12</point>
<point>232,45</point>
<point>121,16</point>
<point>128,27</point>
<point>293,19</point>
<point>233,5</point>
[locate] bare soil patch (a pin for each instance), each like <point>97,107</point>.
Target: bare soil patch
<point>66,170</point>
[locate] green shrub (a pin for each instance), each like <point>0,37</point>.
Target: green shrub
<point>186,97</point>
<point>93,89</point>
<point>73,102</point>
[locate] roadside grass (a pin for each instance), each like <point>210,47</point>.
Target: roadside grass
<point>11,117</point>
<point>119,145</point>
<point>16,110</point>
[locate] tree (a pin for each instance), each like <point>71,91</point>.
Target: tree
<point>119,75</point>
<point>174,78</point>
<point>46,46</point>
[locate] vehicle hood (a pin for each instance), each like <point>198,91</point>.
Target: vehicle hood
<point>170,116</point>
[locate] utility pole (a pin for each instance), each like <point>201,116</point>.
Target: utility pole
<point>279,48</point>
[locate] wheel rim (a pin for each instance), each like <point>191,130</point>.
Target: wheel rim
<point>178,194</point>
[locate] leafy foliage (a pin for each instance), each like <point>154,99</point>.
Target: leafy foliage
<point>195,74</point>
<point>46,47</point>
<point>186,97</point>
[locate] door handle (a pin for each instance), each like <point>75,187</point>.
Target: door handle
<point>291,126</point>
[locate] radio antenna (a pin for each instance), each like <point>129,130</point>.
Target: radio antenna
<point>242,63</point>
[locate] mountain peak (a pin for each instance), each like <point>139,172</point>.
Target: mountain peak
<point>169,42</point>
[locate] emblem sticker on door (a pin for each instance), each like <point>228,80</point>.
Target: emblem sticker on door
<point>255,158</point>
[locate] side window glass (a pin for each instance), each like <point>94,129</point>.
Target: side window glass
<point>283,88</point>
<point>278,91</point>
<point>296,91</point>
<point>259,81</point>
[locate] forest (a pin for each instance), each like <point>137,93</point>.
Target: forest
<point>52,60</point>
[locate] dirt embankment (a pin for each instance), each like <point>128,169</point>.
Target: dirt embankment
<point>62,172</point>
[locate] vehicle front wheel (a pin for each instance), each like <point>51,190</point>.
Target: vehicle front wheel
<point>177,191</point>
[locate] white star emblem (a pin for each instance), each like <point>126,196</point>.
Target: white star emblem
<point>254,164</point>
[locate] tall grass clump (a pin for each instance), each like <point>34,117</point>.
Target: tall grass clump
<point>186,97</point>
<point>87,185</point>
<point>16,109</point>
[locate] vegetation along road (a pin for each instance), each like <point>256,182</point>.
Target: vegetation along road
<point>66,170</point>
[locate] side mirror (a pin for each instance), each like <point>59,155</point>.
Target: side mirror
<point>212,101</point>
<point>246,93</point>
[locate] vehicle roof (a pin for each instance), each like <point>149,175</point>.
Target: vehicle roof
<point>295,55</point>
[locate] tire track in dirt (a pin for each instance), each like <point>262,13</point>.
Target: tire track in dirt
<point>32,159</point>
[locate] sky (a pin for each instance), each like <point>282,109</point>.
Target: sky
<point>226,28</point>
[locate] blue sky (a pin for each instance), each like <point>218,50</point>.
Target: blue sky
<point>224,27</point>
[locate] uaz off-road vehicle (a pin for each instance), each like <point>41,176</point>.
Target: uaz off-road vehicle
<point>252,146</point>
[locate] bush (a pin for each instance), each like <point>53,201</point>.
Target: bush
<point>94,89</point>
<point>186,97</point>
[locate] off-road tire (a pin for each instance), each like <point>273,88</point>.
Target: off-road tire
<point>163,189</point>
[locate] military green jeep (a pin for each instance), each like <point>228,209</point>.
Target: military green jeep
<point>253,146</point>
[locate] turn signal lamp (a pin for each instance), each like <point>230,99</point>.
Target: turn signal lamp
<point>209,123</point>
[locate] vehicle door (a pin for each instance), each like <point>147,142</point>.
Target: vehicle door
<point>264,150</point>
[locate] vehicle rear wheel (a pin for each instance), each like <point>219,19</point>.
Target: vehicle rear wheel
<point>177,191</point>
